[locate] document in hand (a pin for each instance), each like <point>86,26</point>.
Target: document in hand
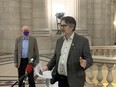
<point>43,74</point>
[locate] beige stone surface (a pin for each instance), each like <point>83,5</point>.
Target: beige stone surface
<point>92,16</point>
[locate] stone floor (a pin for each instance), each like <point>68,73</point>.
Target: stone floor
<point>8,73</point>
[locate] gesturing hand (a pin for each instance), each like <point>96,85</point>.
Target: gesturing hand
<point>82,62</point>
<point>45,68</point>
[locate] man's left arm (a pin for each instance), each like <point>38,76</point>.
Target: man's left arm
<point>36,52</point>
<point>87,57</point>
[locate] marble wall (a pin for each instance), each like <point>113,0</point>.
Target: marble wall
<point>9,24</point>
<point>94,19</point>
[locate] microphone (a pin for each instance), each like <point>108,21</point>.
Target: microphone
<point>29,67</point>
<point>31,61</point>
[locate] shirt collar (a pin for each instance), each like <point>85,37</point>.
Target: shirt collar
<point>25,38</point>
<point>71,37</point>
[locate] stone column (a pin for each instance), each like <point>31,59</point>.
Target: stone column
<point>40,25</point>
<point>109,75</point>
<point>26,12</point>
<point>99,75</point>
<point>40,14</point>
<point>90,19</point>
<point>1,24</point>
<point>102,22</point>
<point>84,19</point>
<point>83,14</point>
<point>9,25</point>
<point>114,19</point>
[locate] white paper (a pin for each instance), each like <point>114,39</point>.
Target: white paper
<point>43,74</point>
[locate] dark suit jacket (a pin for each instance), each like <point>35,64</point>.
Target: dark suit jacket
<point>79,48</point>
<point>33,50</point>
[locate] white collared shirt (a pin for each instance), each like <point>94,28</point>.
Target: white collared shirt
<point>62,66</point>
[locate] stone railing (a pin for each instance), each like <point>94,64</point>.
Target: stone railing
<point>102,56</point>
<point>108,51</point>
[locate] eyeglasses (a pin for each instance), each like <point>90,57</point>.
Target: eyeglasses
<point>63,25</point>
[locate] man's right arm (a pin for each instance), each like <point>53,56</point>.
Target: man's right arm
<point>52,62</point>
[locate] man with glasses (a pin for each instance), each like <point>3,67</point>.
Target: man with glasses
<point>71,57</point>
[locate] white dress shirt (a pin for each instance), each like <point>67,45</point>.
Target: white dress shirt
<point>62,66</point>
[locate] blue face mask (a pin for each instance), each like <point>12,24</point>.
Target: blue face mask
<point>26,33</point>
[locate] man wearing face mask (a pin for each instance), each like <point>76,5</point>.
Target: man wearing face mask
<point>25,48</point>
